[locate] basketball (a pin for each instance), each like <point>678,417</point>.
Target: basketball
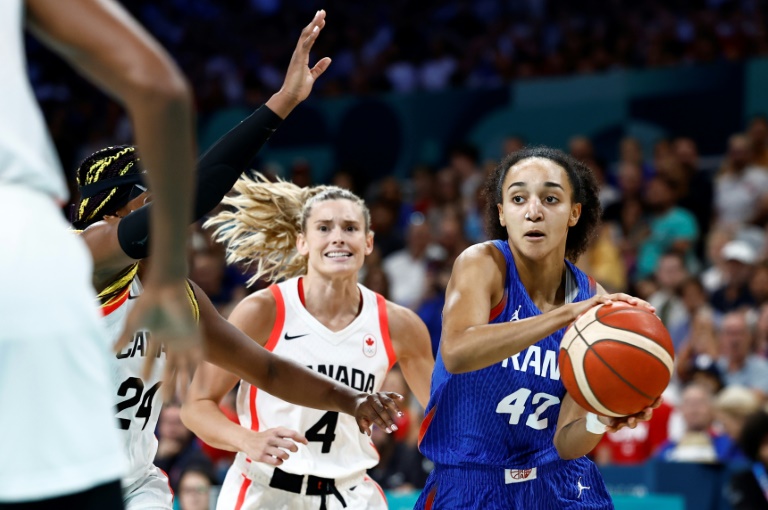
<point>616,360</point>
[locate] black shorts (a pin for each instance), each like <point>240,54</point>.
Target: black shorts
<point>108,496</point>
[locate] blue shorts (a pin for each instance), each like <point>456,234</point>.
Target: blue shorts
<point>572,484</point>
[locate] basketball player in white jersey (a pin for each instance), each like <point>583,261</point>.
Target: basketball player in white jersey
<point>322,318</point>
<point>58,444</point>
<point>111,187</point>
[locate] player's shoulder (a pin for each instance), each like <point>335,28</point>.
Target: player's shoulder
<point>260,302</point>
<point>480,262</point>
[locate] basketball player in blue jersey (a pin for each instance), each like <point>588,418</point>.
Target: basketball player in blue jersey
<point>500,427</point>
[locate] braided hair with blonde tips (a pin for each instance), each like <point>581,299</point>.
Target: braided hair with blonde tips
<point>111,173</point>
<point>265,218</point>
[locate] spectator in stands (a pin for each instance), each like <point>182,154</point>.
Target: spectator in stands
<point>758,140</point>
<point>670,275</point>
<point>195,487</point>
<point>625,218</point>
<point>672,228</point>
<point>700,442</point>
<point>739,258</point>
<point>407,268</point>
<point>733,405</point>
<point>696,194</point>
<point>740,185</point>
<point>746,488</point>
<point>758,284</point>
<point>739,364</point>
<point>761,332</point>
<point>177,447</point>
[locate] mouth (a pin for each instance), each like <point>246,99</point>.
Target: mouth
<point>338,254</point>
<point>534,235</point>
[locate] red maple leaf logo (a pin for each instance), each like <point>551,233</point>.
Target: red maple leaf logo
<point>369,341</point>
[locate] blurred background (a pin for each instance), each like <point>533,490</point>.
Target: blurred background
<point>664,100</point>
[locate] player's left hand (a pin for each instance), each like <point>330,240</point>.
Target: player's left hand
<point>615,424</point>
<point>380,409</point>
<point>299,78</point>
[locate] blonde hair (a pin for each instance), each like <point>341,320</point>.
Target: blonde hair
<point>265,218</point>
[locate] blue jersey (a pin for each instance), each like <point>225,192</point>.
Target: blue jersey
<point>504,415</point>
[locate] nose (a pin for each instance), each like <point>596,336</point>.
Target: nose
<point>336,235</point>
<point>534,212</point>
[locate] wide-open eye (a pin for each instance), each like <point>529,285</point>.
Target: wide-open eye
<point>517,199</point>
<point>551,199</point>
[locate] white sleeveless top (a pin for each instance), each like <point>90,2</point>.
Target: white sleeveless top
<point>359,356</point>
<point>27,156</point>
<point>138,401</point>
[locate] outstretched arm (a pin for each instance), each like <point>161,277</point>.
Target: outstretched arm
<point>114,246</point>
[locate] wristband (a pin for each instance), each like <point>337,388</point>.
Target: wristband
<point>594,425</point>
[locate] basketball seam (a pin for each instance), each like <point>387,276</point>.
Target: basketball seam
<point>589,348</point>
<point>579,335</point>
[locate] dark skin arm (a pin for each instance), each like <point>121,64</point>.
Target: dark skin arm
<point>104,43</point>
<point>242,353</point>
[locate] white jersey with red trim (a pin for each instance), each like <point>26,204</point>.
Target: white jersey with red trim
<point>138,401</point>
<point>359,356</point>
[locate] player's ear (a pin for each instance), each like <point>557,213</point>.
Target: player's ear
<point>575,215</point>
<point>501,215</point>
<point>369,243</point>
<point>301,245</point>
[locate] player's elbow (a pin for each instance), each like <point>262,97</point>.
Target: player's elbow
<point>452,357</point>
<point>160,84</point>
<point>563,450</point>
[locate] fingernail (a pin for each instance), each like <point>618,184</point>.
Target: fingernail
<point>317,14</point>
<point>400,413</point>
<point>388,430</point>
<point>394,427</point>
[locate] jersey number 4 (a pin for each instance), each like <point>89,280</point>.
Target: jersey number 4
<point>324,431</point>
<point>135,386</point>
<point>514,405</point>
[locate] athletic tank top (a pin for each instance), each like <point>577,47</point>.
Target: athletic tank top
<point>359,356</point>
<point>504,415</point>
<point>138,401</point>
<point>27,156</point>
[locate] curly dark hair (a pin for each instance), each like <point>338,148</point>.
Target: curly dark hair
<point>585,192</point>
<point>753,433</point>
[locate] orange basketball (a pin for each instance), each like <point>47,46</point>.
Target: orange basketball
<point>616,360</point>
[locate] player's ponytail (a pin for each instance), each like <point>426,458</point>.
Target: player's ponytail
<point>263,221</point>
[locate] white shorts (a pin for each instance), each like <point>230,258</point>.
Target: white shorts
<point>252,492</point>
<point>57,425</point>
<point>152,492</point>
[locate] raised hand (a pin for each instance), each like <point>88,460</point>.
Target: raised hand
<point>272,445</point>
<point>300,78</point>
<point>165,310</point>
<point>380,409</point>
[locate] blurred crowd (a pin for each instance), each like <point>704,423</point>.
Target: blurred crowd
<point>235,52</point>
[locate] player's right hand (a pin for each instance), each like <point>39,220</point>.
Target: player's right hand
<point>606,299</point>
<point>272,445</point>
<point>165,311</point>
<point>379,408</point>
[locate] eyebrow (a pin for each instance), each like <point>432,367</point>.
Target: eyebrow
<point>548,184</point>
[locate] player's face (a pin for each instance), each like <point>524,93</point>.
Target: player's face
<point>537,208</point>
<point>335,241</point>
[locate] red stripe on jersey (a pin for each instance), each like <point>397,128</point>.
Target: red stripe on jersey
<point>496,310</point>
<point>381,491</point>
<point>592,286</point>
<point>384,324</point>
<point>115,303</point>
<point>425,423</point>
<point>168,479</point>
<point>274,336</point>
<point>254,414</point>
<point>431,498</point>
<point>241,494</point>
